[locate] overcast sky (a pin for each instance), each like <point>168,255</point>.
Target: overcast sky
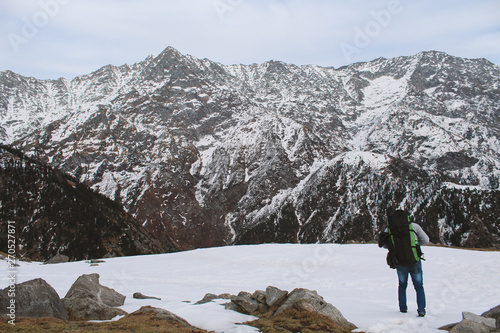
<point>66,38</point>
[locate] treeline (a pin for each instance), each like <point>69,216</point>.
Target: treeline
<point>35,167</point>
<point>54,213</point>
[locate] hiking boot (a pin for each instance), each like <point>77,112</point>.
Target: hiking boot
<point>421,314</point>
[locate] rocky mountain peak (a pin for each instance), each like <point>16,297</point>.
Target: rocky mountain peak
<point>215,154</point>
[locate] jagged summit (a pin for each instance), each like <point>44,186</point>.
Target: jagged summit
<point>170,52</point>
<point>439,56</point>
<point>201,150</point>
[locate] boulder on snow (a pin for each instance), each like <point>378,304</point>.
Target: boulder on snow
<point>34,298</point>
<point>260,296</point>
<point>260,302</point>
<point>142,296</point>
<point>473,323</point>
<point>275,297</point>
<point>152,313</point>
<point>89,300</point>
<point>493,313</point>
<point>488,322</point>
<point>159,314</point>
<point>207,298</point>
<point>308,300</point>
<point>58,259</point>
<point>210,297</point>
<point>275,301</point>
<point>96,261</point>
<point>245,303</point>
<point>469,326</point>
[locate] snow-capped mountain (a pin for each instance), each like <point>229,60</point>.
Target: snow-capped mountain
<point>209,154</point>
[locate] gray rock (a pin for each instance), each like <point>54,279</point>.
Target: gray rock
<point>210,297</point>
<point>225,296</point>
<point>488,322</point>
<point>447,327</point>
<point>96,261</point>
<point>275,297</point>
<point>232,306</point>
<point>245,303</point>
<point>34,298</point>
<point>58,259</point>
<point>309,300</point>
<point>469,326</point>
<point>207,298</point>
<point>142,296</point>
<point>259,296</point>
<point>262,308</point>
<point>493,313</point>
<point>244,294</point>
<point>88,300</point>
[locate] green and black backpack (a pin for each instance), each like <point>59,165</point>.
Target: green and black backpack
<point>402,243</point>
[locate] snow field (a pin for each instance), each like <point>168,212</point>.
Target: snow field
<point>354,278</point>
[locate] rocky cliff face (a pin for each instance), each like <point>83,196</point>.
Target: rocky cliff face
<point>213,154</point>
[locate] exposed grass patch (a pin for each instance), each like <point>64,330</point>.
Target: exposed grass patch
<point>142,323</point>
<point>292,321</point>
<point>286,322</point>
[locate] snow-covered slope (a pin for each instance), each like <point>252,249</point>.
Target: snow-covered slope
<point>354,278</point>
<point>198,151</point>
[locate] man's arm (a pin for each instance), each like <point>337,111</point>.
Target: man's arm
<point>421,235</point>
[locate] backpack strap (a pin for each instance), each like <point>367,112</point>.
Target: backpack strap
<point>391,238</point>
<point>413,242</point>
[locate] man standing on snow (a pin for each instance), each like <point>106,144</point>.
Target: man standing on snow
<point>403,241</point>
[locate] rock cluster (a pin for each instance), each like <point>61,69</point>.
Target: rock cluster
<point>85,300</point>
<point>488,322</point>
<point>274,301</point>
<point>89,300</point>
<point>34,298</point>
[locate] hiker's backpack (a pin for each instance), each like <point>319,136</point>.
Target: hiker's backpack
<point>402,245</point>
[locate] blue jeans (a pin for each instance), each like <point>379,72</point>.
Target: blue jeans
<point>415,271</point>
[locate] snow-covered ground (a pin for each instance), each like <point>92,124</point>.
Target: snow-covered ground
<point>354,278</point>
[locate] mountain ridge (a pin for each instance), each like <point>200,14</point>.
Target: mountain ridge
<point>193,148</point>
